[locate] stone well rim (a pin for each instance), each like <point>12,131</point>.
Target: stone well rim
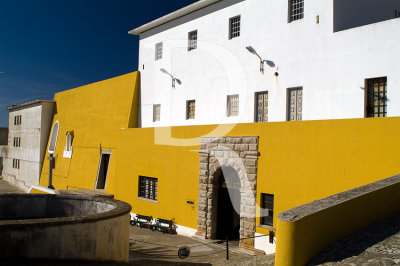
<point>120,208</point>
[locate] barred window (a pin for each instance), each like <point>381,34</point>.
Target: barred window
<point>148,187</point>
<point>15,163</point>
<point>233,105</point>
<point>17,142</point>
<point>234,27</point>
<point>159,50</point>
<point>376,97</point>
<point>296,10</point>
<point>267,209</point>
<point>17,120</point>
<point>156,112</point>
<point>190,109</point>
<point>192,40</point>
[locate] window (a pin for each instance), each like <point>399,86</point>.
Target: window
<point>17,120</point>
<point>17,142</point>
<point>234,27</point>
<point>192,40</point>
<point>262,106</point>
<point>376,97</point>
<point>15,164</point>
<point>190,109</point>
<point>159,48</point>
<point>267,209</point>
<point>148,187</point>
<point>295,104</point>
<point>68,146</point>
<point>233,105</point>
<point>103,170</point>
<point>156,112</point>
<point>296,10</point>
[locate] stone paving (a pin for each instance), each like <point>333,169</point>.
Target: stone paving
<point>378,244</point>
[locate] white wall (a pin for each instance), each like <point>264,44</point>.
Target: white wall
<point>331,67</point>
<point>33,131</point>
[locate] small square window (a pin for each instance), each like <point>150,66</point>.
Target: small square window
<point>190,109</point>
<point>233,105</point>
<point>148,187</point>
<point>234,27</point>
<point>296,10</point>
<point>156,112</point>
<point>192,40</point>
<point>267,209</point>
<point>159,50</point>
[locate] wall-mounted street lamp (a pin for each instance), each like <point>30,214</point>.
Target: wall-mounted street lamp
<point>269,63</point>
<point>172,77</point>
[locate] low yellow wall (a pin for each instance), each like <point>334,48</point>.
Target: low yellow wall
<point>299,162</point>
<point>299,240</point>
<point>95,113</point>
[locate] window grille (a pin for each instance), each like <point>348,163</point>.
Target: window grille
<point>192,40</point>
<point>17,142</point>
<point>234,27</point>
<point>190,109</point>
<point>159,50</point>
<point>148,187</point>
<point>15,164</point>
<point>17,120</point>
<point>156,112</point>
<point>267,209</point>
<point>233,105</point>
<point>262,106</point>
<point>295,104</point>
<point>377,97</point>
<point>296,10</point>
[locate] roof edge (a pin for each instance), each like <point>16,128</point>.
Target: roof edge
<point>29,103</point>
<point>172,16</point>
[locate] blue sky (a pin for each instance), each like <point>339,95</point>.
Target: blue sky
<point>47,46</point>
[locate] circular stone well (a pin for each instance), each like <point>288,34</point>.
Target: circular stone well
<point>39,226</point>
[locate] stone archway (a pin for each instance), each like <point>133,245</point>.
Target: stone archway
<point>241,154</point>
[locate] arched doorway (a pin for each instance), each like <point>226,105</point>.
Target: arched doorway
<point>228,205</point>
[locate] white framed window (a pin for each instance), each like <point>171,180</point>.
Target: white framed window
<point>233,105</point>
<point>192,40</point>
<point>148,187</point>
<point>261,106</point>
<point>156,112</point>
<point>190,109</point>
<point>68,146</point>
<point>296,10</point>
<point>295,104</point>
<point>234,27</point>
<point>159,50</point>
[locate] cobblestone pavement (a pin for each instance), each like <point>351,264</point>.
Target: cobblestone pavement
<point>378,244</point>
<point>155,248</point>
<point>5,187</point>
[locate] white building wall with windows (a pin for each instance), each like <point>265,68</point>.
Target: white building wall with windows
<point>331,67</point>
<point>30,124</point>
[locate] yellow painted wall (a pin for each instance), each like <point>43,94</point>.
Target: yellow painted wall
<point>299,162</point>
<point>300,240</point>
<point>95,113</point>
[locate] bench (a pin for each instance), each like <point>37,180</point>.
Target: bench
<point>165,226</point>
<point>142,221</point>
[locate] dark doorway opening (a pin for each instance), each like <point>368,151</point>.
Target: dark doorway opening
<point>103,170</point>
<point>228,206</point>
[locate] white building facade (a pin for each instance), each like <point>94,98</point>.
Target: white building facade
<point>29,126</point>
<point>321,59</point>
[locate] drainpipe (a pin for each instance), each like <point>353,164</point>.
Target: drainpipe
<point>51,163</point>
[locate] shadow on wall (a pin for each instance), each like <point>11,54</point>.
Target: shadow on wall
<point>356,13</point>
<point>359,242</point>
